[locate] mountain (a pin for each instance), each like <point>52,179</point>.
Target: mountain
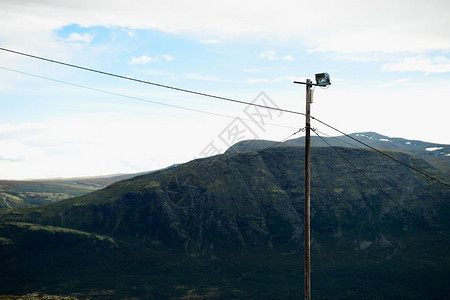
<point>25,193</point>
<point>231,227</point>
<point>437,155</point>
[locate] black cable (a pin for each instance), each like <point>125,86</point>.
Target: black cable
<point>252,157</point>
<point>351,164</point>
<point>139,99</point>
<point>191,174</point>
<point>225,99</point>
<point>338,139</point>
<point>365,176</point>
<point>385,154</point>
<point>151,83</point>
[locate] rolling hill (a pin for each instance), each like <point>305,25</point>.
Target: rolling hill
<point>231,226</point>
<point>25,193</point>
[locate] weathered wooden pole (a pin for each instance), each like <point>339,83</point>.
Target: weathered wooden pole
<point>322,80</point>
<point>307,191</point>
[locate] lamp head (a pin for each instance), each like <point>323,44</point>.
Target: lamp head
<point>323,79</point>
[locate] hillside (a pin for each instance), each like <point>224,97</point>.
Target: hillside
<point>231,226</point>
<point>26,193</point>
<point>437,155</point>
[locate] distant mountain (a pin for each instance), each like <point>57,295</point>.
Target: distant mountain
<point>437,155</point>
<point>231,227</point>
<point>26,193</point>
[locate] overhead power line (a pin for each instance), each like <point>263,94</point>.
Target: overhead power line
<point>211,161</point>
<point>364,175</point>
<point>385,154</point>
<point>351,164</point>
<point>254,156</point>
<point>338,139</point>
<point>224,99</point>
<point>141,99</point>
<point>151,83</point>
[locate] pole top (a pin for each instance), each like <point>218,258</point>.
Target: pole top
<point>322,79</point>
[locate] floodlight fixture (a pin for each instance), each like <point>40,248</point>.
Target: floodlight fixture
<point>322,79</point>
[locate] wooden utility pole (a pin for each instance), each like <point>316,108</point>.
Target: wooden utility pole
<point>323,80</point>
<point>307,191</point>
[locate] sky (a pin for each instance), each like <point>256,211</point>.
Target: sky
<point>389,63</point>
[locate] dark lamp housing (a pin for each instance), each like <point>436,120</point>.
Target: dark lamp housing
<point>323,79</point>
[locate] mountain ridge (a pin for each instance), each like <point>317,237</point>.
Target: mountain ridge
<point>23,193</point>
<point>239,216</point>
<point>436,154</point>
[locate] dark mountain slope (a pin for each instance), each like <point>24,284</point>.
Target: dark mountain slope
<point>232,226</point>
<point>437,155</point>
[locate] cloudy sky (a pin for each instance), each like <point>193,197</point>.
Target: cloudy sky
<point>389,62</point>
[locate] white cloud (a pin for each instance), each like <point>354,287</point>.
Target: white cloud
<point>269,54</point>
<point>437,64</point>
<point>352,26</point>
<point>287,57</point>
<point>272,55</point>
<point>167,57</point>
<point>392,112</point>
<point>146,59</point>
<point>361,30</point>
<point>142,60</point>
<point>76,37</point>
<point>119,144</point>
<point>130,33</point>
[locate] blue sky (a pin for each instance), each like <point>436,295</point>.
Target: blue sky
<point>389,62</point>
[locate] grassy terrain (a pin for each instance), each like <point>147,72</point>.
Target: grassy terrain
<point>231,227</point>
<point>16,194</point>
<point>25,193</point>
